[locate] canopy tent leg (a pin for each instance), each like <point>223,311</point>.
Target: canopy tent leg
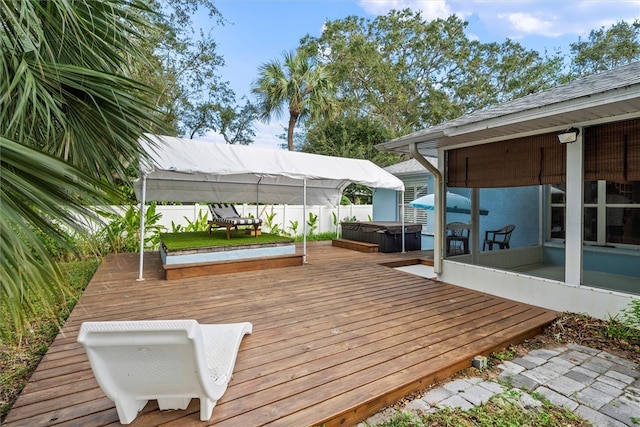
<point>402,220</point>
<point>142,225</point>
<point>258,198</point>
<point>304,221</point>
<point>338,218</point>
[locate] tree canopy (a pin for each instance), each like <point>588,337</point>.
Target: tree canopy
<point>181,62</point>
<point>410,73</point>
<point>298,84</point>
<point>606,49</point>
<point>353,137</point>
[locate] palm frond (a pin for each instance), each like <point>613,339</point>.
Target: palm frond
<point>70,119</point>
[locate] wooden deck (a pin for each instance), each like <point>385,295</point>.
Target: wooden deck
<point>334,340</point>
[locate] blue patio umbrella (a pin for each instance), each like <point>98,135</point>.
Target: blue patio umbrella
<point>455,203</point>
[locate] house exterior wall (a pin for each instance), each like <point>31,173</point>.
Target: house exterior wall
<point>385,205</point>
<point>551,294</point>
<point>602,111</point>
<point>497,271</point>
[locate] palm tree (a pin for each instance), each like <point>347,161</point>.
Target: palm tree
<point>70,119</point>
<point>299,83</point>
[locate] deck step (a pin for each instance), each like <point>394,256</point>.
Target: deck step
<point>355,245</point>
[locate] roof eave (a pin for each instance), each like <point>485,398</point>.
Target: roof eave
<point>399,145</point>
<point>437,137</point>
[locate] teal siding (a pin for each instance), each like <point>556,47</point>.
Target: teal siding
<point>385,205</point>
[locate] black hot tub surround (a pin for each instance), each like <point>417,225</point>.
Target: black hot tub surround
<point>386,234</point>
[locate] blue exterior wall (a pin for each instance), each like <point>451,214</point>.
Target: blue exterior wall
<point>385,204</point>
<point>516,205</point>
<point>607,260</point>
<point>385,208</point>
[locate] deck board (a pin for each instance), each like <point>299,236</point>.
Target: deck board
<point>334,340</point>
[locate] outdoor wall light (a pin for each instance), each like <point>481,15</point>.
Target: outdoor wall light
<point>568,136</point>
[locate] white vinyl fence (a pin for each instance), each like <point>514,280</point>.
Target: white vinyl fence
<point>282,216</point>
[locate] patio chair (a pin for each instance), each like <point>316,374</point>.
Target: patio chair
<point>226,215</point>
<point>457,238</point>
<point>172,361</point>
<point>499,237</point>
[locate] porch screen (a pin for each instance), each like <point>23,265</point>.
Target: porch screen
<point>533,160</point>
<point>612,152</point>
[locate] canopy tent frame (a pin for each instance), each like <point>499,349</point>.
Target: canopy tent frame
<point>196,170</point>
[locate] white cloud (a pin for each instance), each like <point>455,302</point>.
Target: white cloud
<point>518,19</point>
<point>267,134</point>
<point>431,9</point>
<point>523,24</point>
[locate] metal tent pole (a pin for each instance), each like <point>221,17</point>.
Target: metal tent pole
<point>338,217</point>
<point>258,198</point>
<point>142,225</point>
<point>402,220</point>
<point>304,221</point>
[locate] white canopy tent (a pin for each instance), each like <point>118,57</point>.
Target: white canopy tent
<point>187,170</point>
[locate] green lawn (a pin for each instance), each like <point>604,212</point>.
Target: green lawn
<point>202,239</point>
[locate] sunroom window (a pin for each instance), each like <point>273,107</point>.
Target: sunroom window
<point>611,213</point>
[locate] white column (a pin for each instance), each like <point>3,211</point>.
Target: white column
<point>574,213</point>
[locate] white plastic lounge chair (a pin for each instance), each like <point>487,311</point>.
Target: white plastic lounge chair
<point>226,215</point>
<point>172,361</point>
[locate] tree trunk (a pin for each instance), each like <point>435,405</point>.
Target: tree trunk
<point>293,118</point>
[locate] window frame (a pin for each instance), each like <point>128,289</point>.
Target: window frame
<point>601,206</point>
<point>411,214</point>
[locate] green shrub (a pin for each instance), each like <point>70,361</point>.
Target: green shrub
<point>327,235</point>
<point>312,222</point>
<point>626,325</point>
<point>122,232</point>
<point>274,227</point>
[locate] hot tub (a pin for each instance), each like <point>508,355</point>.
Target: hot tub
<point>386,234</point>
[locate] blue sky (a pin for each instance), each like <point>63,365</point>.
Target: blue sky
<point>260,30</point>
